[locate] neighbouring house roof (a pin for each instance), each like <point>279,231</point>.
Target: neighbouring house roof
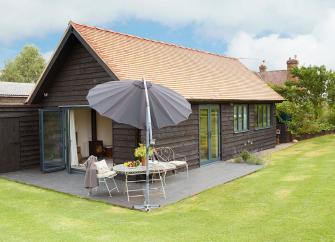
<point>16,89</point>
<point>195,74</point>
<point>278,77</point>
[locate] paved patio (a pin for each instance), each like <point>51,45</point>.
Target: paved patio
<point>178,187</point>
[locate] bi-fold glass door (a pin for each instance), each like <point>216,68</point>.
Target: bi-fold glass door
<point>52,140</point>
<point>209,133</point>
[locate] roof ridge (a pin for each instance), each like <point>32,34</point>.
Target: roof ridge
<point>155,41</point>
<point>274,70</point>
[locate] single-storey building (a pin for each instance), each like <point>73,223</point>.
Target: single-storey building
<point>233,109</point>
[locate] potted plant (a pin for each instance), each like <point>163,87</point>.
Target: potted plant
<point>140,153</point>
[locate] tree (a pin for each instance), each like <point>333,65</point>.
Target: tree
<point>313,80</point>
<point>310,100</point>
<point>27,66</point>
<point>331,90</point>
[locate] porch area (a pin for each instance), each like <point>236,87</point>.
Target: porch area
<point>177,187</point>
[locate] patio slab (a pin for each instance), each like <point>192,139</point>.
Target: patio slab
<point>178,187</point>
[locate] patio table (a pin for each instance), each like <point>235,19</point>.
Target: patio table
<point>158,168</point>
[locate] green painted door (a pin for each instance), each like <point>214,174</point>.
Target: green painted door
<point>209,133</point>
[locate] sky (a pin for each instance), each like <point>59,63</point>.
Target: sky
<point>250,30</point>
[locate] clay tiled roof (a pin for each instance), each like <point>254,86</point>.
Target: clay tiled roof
<point>197,75</point>
<point>274,77</point>
<point>16,89</point>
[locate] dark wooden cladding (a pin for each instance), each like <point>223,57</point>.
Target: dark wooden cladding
<point>125,140</point>
<point>76,74</point>
<point>253,139</point>
<point>27,118</point>
<point>182,138</point>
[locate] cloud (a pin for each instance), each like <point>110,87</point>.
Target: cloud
<point>216,18</point>
<point>314,48</point>
<point>260,29</point>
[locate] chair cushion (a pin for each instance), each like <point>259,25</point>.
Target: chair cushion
<point>102,167</point>
<point>178,162</point>
<point>106,174</point>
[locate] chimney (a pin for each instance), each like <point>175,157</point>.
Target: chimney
<point>262,67</point>
<point>291,63</point>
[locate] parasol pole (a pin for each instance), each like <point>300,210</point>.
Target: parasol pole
<point>147,145</point>
<point>148,136</point>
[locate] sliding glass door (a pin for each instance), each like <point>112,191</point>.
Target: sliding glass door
<point>209,133</point>
<point>52,140</point>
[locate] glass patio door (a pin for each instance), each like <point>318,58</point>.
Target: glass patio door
<point>209,133</point>
<point>52,140</point>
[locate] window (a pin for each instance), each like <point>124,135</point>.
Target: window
<point>263,116</point>
<point>241,117</point>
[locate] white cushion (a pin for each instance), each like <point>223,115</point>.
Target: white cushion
<point>102,167</point>
<point>106,174</point>
<point>178,162</point>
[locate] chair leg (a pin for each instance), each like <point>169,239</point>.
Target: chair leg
<point>117,189</point>
<point>109,191</point>
<point>164,178</point>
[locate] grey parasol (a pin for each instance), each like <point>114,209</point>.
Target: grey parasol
<point>124,102</point>
<point>143,105</point>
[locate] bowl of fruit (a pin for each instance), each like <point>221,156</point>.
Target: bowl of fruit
<point>132,164</point>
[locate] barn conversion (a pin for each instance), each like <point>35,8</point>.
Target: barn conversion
<point>233,109</point>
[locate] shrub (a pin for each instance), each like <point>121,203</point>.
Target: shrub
<point>303,118</point>
<point>248,157</point>
<point>238,159</point>
<point>255,160</point>
<point>245,155</point>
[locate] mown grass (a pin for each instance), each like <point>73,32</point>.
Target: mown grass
<point>291,199</point>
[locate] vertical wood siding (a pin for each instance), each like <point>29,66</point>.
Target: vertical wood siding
<point>253,139</point>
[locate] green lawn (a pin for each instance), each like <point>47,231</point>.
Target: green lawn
<point>292,199</point>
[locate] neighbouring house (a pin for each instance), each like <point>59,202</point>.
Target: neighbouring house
<point>15,92</point>
<point>279,77</point>
<point>233,109</point>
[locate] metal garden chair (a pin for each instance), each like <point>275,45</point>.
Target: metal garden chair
<point>167,154</point>
<point>104,173</point>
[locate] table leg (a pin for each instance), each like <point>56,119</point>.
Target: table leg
<point>126,183</point>
<point>162,184</point>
